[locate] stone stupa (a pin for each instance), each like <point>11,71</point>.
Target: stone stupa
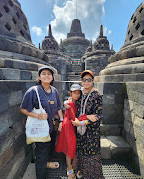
<point>96,55</point>
<point>75,44</point>
<point>127,64</point>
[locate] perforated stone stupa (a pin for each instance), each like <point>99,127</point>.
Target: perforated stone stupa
<point>49,43</point>
<point>128,63</point>
<point>75,44</point>
<point>96,56</point>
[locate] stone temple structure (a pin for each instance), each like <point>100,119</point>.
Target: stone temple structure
<point>75,44</point>
<point>56,58</point>
<point>96,56</point>
<point>19,63</point>
<point>122,84</point>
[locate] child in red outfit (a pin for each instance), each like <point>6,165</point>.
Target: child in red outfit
<point>67,137</point>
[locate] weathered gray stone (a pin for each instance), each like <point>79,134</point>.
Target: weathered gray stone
<point>25,75</point>
<point>15,98</point>
<point>4,102</point>
<point>6,54</point>
<point>111,129</point>
<point>109,99</point>
<point>1,62</point>
<point>9,74</point>
<point>19,65</point>
<point>105,148</point>
<point>118,146</point>
<point>5,157</point>
<point>14,165</point>
<point>4,122</point>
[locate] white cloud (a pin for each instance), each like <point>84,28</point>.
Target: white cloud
<point>109,32</point>
<point>90,13</point>
<point>37,30</point>
<point>106,31</point>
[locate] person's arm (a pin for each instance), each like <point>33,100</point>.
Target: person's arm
<point>60,115</point>
<point>80,123</point>
<point>61,120</point>
<point>42,116</point>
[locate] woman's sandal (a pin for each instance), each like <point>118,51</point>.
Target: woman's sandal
<point>53,165</point>
<point>70,172</point>
<point>79,175</point>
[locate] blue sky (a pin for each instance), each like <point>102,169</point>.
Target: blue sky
<point>113,14</point>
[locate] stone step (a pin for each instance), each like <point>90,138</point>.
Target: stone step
<point>111,129</point>
<point>114,147</point>
<point>73,78</point>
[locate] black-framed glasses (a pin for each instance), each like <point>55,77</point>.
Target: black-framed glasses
<point>87,79</point>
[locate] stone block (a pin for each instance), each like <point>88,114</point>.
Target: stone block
<point>4,121</point>
<point>129,77</point>
<point>25,75</point>
<point>140,86</point>
<point>19,65</point>
<point>127,126</point>
<point>18,128</point>
<point>1,62</point>
<point>5,157</point>
<point>8,63</point>
<point>32,66</point>
<point>109,99</point>
<point>111,129</point>
<point>13,166</point>
<point>105,148</point>
<point>133,95</point>
<point>26,50</point>
<point>114,88</point>
<point>5,54</point>
<point>6,139</point>
<point>141,98</point>
<point>140,77</point>
<point>9,74</point>
<point>15,115</point>
<point>118,146</point>
<point>34,75</point>
<point>4,102</point>
<point>141,164</point>
<point>15,98</point>
<point>139,109</point>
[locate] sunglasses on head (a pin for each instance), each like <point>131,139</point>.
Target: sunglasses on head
<point>87,79</point>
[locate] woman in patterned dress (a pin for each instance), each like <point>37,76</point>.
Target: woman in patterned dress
<point>88,162</point>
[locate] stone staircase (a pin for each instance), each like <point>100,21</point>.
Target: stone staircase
<point>113,145</point>
<point>74,75</point>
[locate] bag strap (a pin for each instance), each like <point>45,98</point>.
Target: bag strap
<point>40,106</point>
<point>47,100</point>
<point>82,112</point>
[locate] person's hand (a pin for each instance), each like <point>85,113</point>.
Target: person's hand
<point>92,117</point>
<point>76,122</point>
<point>66,104</point>
<point>60,127</point>
<point>43,116</point>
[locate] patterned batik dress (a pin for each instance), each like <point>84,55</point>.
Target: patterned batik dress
<point>88,145</point>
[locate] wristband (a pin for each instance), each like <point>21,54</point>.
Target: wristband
<point>61,119</point>
<point>82,123</point>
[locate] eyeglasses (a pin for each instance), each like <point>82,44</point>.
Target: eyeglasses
<point>87,79</point>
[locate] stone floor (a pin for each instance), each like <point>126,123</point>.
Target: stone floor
<point>111,169</point>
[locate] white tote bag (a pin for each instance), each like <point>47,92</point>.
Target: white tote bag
<point>37,130</point>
